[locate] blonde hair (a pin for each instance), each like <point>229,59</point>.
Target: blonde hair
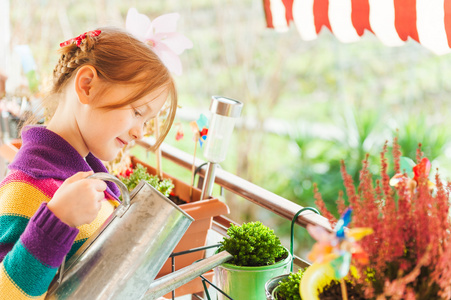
<point>119,58</point>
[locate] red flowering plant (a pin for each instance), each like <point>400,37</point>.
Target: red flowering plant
<point>410,248</point>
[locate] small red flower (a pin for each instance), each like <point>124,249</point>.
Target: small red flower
<point>127,172</point>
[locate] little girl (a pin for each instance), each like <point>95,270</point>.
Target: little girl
<point>107,85</point>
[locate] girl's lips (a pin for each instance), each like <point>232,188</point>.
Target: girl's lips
<point>122,142</point>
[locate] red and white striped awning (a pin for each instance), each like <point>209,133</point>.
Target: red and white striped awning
<point>393,21</point>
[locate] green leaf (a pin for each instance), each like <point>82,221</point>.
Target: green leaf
<point>164,186</point>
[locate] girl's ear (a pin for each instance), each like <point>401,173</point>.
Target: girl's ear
<point>85,81</point>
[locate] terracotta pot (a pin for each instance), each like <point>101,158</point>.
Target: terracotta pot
<point>8,151</point>
<point>196,236</point>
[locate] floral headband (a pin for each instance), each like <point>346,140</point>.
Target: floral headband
<point>79,39</point>
<point>161,35</point>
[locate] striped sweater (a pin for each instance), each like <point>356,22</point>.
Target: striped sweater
<point>33,241</point>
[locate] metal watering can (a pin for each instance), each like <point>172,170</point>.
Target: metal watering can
<point>123,257</point>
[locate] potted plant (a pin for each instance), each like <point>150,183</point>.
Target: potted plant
<point>409,252</point>
<point>284,287</point>
<point>258,256</point>
<point>132,177</point>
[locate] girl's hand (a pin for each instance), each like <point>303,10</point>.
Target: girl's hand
<point>78,200</point>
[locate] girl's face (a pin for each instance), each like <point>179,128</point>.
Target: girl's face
<point>106,131</point>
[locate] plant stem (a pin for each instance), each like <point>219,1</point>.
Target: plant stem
<point>344,292</point>
<point>158,151</point>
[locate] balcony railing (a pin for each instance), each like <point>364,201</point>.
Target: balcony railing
<point>247,190</point>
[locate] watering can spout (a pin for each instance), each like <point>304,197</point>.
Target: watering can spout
<point>170,282</point>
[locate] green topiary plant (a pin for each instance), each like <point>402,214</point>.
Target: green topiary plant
<point>253,244</point>
<point>288,288</point>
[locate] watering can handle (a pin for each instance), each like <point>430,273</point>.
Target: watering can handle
<point>121,209</point>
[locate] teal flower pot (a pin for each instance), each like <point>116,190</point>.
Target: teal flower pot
<point>248,283</point>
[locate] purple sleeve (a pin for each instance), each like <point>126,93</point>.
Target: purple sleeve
<point>47,237</point>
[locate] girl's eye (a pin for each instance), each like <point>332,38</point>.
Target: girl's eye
<point>137,113</point>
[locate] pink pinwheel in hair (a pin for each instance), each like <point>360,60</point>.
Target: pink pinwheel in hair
<point>161,35</point>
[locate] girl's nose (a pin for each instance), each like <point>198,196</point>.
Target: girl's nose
<point>137,133</point>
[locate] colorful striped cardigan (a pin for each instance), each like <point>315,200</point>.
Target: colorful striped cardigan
<point>33,241</point>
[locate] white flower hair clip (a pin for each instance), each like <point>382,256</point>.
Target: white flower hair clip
<point>161,35</point>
